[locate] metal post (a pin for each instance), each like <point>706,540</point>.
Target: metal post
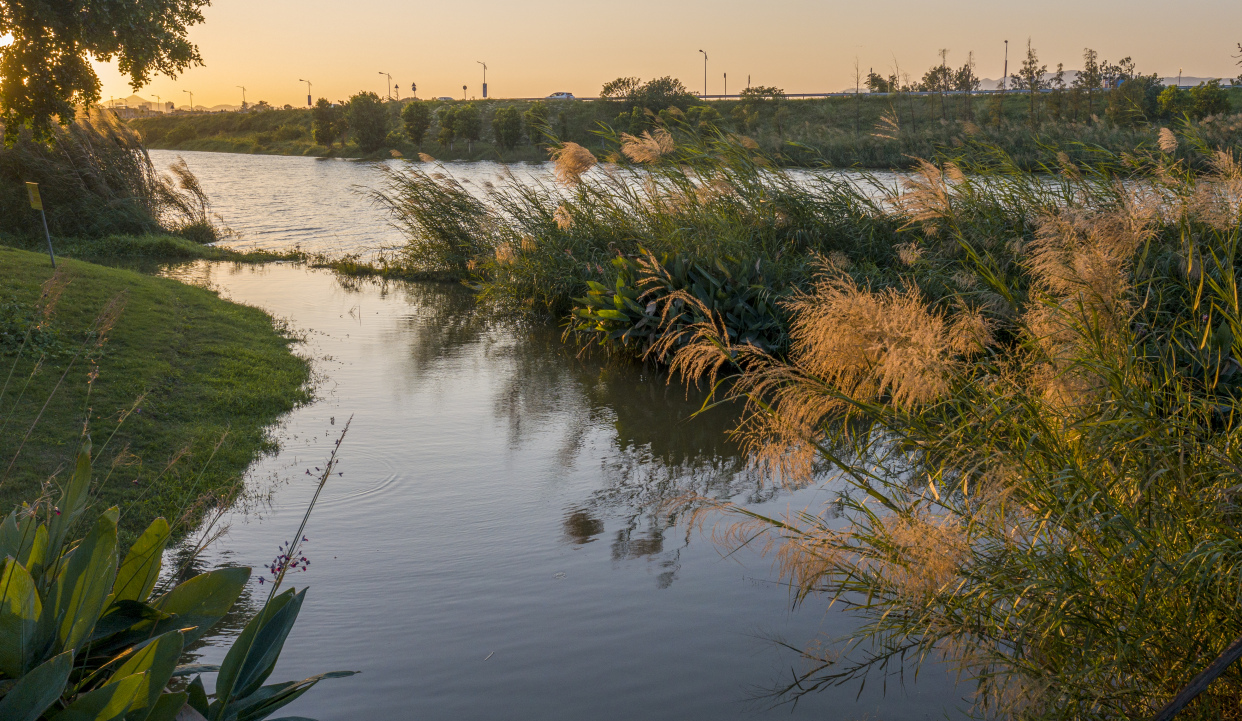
<point>1005,77</point>
<point>32,189</point>
<point>480,62</point>
<point>704,74</point>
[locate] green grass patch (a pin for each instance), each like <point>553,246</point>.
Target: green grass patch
<point>184,387</point>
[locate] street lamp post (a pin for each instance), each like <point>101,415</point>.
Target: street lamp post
<point>1005,77</point>
<point>480,62</point>
<point>308,91</point>
<point>726,84</point>
<point>191,100</point>
<point>243,89</point>
<point>463,92</point>
<point>704,72</point>
<point>157,101</point>
<point>389,83</point>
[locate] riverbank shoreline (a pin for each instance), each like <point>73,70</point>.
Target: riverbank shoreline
<point>178,388</point>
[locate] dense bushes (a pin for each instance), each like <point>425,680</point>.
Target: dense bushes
<point>96,180</point>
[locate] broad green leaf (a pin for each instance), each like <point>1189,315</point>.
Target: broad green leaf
<point>167,706</point>
<point>20,610</point>
<point>27,542</point>
<point>84,583</point>
<point>156,661</point>
<point>203,600</point>
<point>197,696</point>
<point>35,555</point>
<point>250,657</point>
<point>105,703</point>
<point>37,690</point>
<point>10,536</point>
<point>141,567</point>
<point>269,699</point>
<point>126,616</point>
<point>72,500</point>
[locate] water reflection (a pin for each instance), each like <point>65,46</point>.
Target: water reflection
<point>503,496</point>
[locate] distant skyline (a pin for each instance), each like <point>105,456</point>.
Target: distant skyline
<point>534,49</point>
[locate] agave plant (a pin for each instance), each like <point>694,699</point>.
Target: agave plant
<point>83,637</point>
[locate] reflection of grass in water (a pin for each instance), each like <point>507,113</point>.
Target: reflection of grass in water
<point>659,452</point>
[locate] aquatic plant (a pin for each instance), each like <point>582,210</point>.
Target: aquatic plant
<point>88,637</point>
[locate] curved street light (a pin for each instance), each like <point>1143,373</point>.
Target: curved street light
<point>480,62</point>
<point>191,100</point>
<point>704,73</point>
<point>389,83</point>
<point>308,91</point>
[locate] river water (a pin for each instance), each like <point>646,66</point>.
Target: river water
<point>499,544</point>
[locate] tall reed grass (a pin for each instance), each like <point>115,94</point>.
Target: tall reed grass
<point>1027,382</point>
<point>1036,419</point>
<point>97,180</point>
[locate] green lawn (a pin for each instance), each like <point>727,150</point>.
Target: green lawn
<point>202,367</point>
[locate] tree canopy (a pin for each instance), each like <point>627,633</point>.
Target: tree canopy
<point>46,72</point>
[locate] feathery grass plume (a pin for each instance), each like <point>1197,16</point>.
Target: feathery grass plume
<point>909,253</point>
<point>746,142</point>
<point>647,148</point>
<point>426,158</point>
<point>1217,196</point>
<point>928,195</point>
<point>571,161</point>
<point>888,127</point>
<point>563,219</point>
<point>1167,141</point>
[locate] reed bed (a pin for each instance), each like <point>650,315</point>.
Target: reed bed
<point>1027,384</point>
<point>96,180</point>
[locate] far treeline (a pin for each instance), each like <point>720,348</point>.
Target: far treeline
<point>892,118</point>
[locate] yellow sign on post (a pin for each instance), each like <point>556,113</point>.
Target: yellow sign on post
<point>35,201</point>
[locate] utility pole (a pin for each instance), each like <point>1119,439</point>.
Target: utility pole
<point>704,73</point>
<point>191,100</point>
<point>389,83</point>
<point>480,62</point>
<point>1005,77</point>
<point>308,91</point>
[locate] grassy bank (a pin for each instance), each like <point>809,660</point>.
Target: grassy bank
<point>139,250</point>
<point>868,132</point>
<point>196,380</point>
